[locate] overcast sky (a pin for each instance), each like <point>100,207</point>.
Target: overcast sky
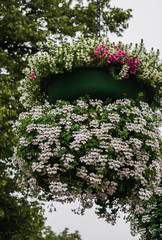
<point>146,25</point>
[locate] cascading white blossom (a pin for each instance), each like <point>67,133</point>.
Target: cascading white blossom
<point>105,152</point>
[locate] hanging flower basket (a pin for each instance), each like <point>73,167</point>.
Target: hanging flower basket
<point>105,151</point>
<point>95,82</point>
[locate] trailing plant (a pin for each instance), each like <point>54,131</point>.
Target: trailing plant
<point>103,153</point>
<point>147,219</point>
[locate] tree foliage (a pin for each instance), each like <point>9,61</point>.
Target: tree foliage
<point>19,218</point>
<point>50,235</point>
<point>26,21</point>
<point>9,108</point>
<point>23,23</point>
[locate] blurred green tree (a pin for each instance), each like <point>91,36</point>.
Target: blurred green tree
<point>50,235</point>
<point>20,219</point>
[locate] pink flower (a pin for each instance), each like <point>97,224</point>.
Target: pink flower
<point>97,53</point>
<point>123,61</point>
<point>109,59</point>
<point>98,49</point>
<point>32,75</point>
<point>123,54</point>
<point>126,75</point>
<point>137,61</point>
<point>130,62</point>
<point>102,55</point>
<point>133,71</point>
<point>116,57</point>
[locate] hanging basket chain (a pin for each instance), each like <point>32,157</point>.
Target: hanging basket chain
<point>98,18</point>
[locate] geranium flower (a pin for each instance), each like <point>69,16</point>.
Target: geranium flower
<point>116,56</point>
<point>32,75</point>
<point>126,75</point>
<point>133,71</point>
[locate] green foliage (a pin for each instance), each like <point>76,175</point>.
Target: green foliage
<point>115,19</point>
<point>9,109</point>
<point>50,235</point>
<point>24,23</point>
<point>148,222</point>
<point>19,218</point>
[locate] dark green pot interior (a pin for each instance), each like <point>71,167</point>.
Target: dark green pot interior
<point>95,82</point>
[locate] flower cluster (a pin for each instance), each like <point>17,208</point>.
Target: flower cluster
<point>118,55</point>
<point>146,219</point>
<point>119,61</point>
<point>109,153</point>
<point>31,77</point>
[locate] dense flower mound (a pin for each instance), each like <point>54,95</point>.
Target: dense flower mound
<point>107,153</point>
<point>121,61</point>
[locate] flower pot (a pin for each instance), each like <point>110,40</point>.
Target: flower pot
<point>95,82</point>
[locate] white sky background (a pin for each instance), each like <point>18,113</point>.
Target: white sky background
<point>146,25</point>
